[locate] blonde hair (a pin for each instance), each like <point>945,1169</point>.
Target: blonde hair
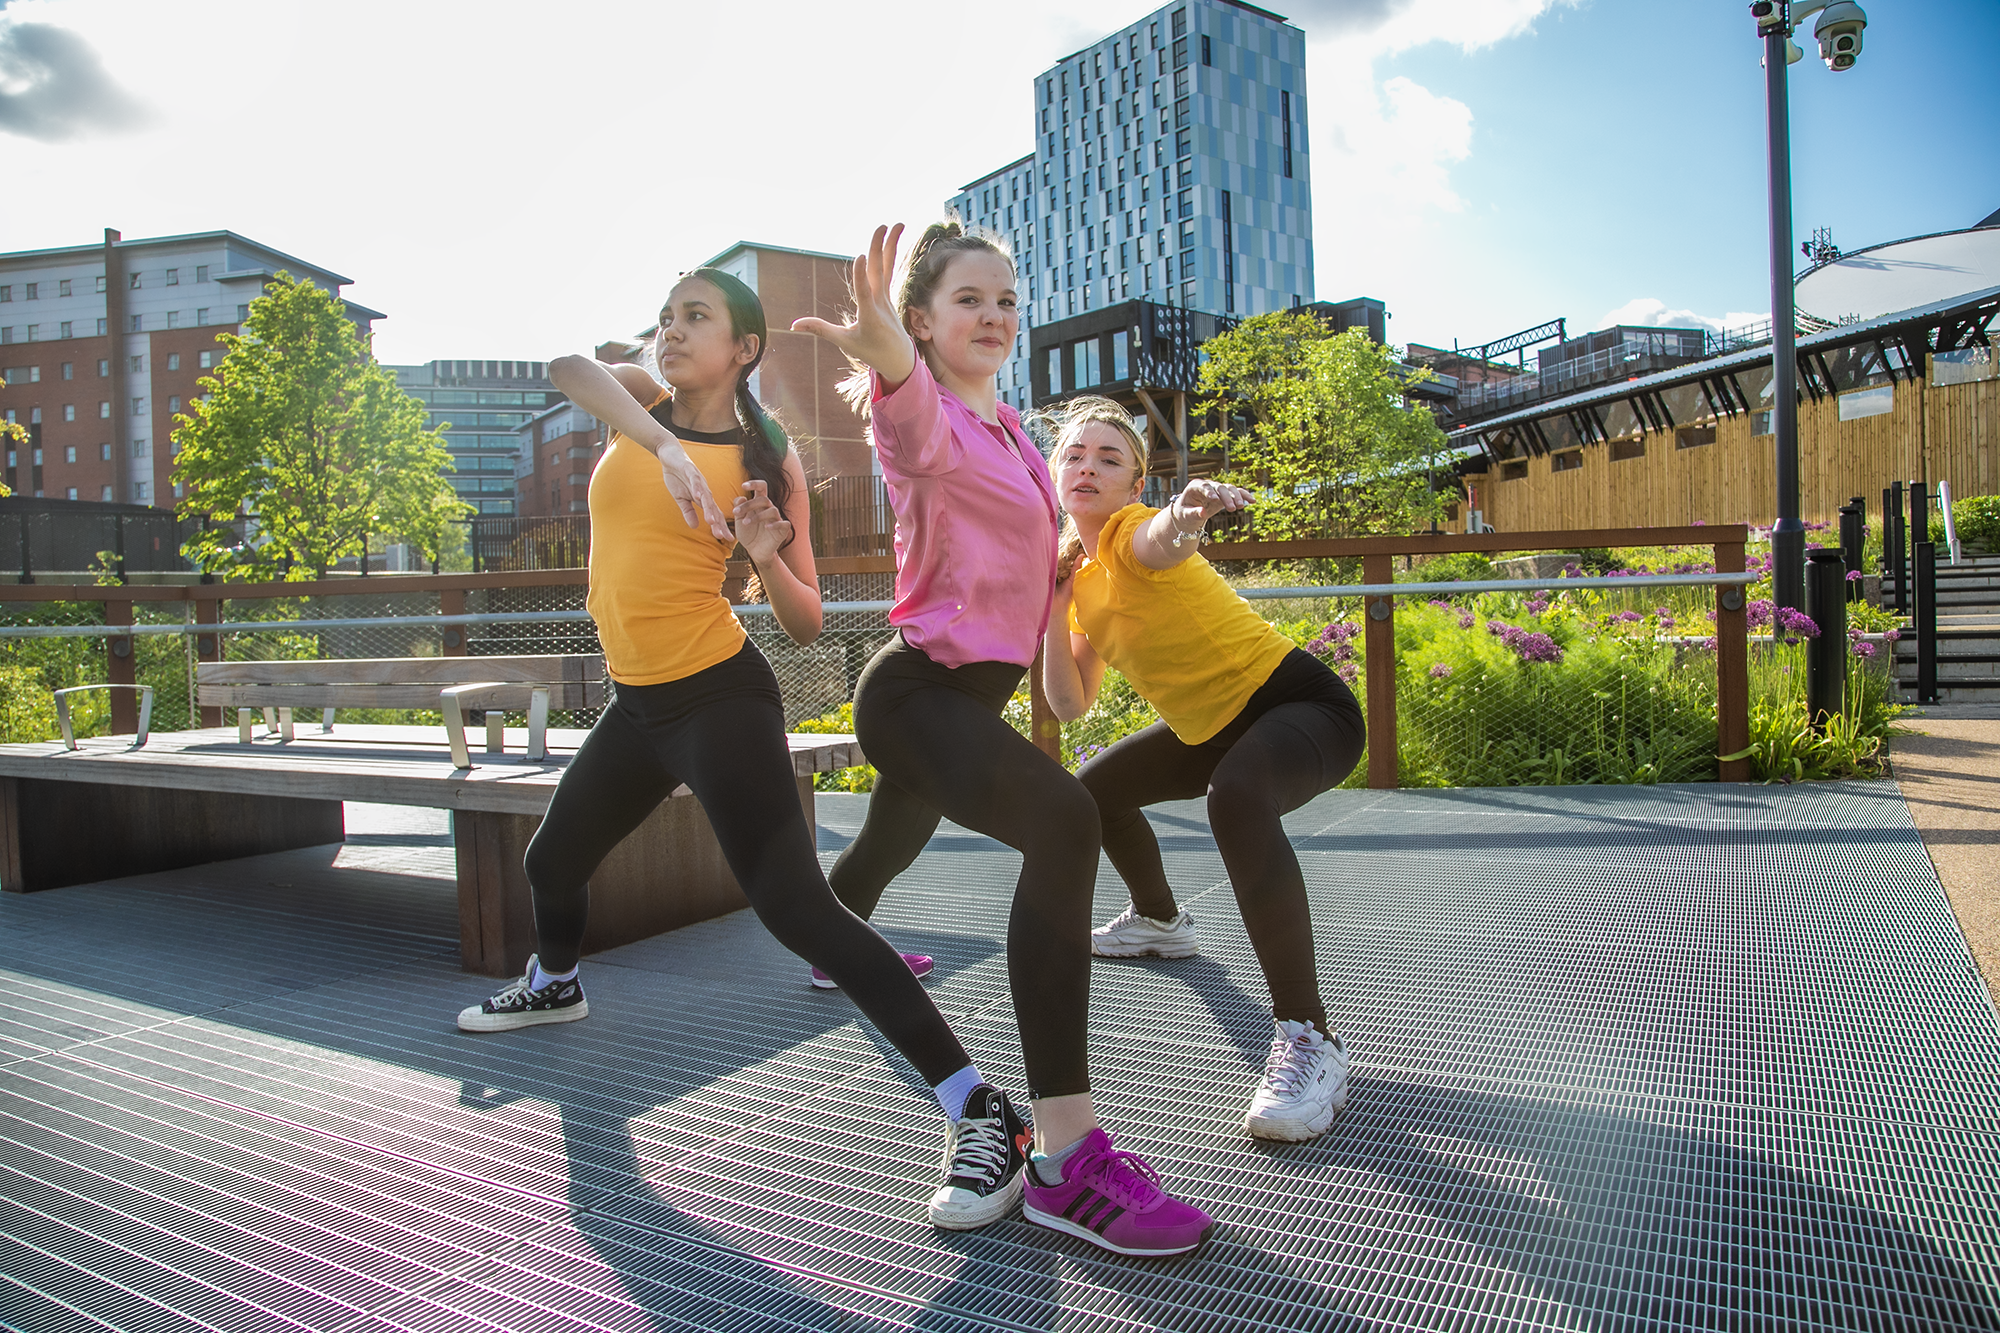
<point>1067,421</point>
<point>918,275</point>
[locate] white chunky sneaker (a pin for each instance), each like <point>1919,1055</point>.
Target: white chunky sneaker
<point>1305,1082</point>
<point>1129,935</point>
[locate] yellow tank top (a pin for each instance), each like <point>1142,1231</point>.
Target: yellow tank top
<point>1190,646</point>
<point>655,582</point>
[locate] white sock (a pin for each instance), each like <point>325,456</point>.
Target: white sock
<point>951,1093</point>
<point>1048,1167</point>
<point>541,978</point>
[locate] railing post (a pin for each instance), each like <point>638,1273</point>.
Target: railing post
<point>1732,668</point>
<point>1892,543</point>
<point>1379,636</point>
<point>451,602</point>
<point>208,646</point>
<point>1924,584</point>
<point>1042,718</point>
<point>121,668</point>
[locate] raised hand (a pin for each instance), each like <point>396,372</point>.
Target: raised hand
<point>690,491</point>
<point>874,336</point>
<point>1202,499</point>
<point>760,525</point>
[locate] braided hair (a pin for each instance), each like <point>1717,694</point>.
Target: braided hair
<point>764,450</point>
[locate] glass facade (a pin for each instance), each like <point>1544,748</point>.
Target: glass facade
<point>480,405</point>
<point>1171,164</point>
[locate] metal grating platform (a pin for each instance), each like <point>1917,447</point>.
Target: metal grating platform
<point>1699,1058</point>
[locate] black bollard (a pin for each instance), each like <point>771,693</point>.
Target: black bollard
<point>1826,656</point>
<point>1853,537</point>
<point>1892,544</point>
<point>1920,515</point>
<point>1924,580</point>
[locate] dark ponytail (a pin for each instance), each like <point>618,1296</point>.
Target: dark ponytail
<point>764,451</point>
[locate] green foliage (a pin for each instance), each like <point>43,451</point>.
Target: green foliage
<point>1977,519</point>
<point>303,432</point>
<point>1458,567</point>
<point>1332,449</point>
<point>1786,747</point>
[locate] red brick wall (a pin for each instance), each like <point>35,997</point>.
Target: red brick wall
<point>84,391</point>
<point>800,372</point>
<point>167,384</point>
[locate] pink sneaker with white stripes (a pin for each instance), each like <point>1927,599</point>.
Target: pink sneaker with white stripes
<point>920,965</point>
<point>1113,1200</point>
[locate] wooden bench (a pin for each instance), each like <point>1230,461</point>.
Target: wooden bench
<point>111,808</point>
<point>453,685</point>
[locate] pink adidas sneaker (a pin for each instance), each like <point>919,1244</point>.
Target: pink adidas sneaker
<point>1114,1200</point>
<point>920,965</point>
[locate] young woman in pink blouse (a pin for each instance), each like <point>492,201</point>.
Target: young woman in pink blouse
<point>976,524</point>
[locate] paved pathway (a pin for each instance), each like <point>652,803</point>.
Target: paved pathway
<point>1636,1058</point>
<point>1949,772</point>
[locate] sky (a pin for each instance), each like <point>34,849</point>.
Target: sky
<point>515,181</point>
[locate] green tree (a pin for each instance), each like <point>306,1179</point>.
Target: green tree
<point>303,433</point>
<point>1333,447</point>
<point>12,436</point>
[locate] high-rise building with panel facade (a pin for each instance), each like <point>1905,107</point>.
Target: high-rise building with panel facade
<point>483,404</point>
<point>1171,165</point>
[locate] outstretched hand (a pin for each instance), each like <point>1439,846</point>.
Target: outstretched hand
<point>1202,499</point>
<point>690,491</point>
<point>760,525</point>
<point>874,336</point>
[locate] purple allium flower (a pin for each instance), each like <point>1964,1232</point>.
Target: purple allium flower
<point>1797,622</point>
<point>1892,634</point>
<point>1347,672</point>
<point>1758,613</point>
<point>1465,620</point>
<point>1628,617</point>
<point>1664,616</point>
<point>1537,648</point>
<point>1537,605</point>
<point>1708,645</point>
<point>1498,627</point>
<point>1439,670</point>
<point>1864,649</point>
<point>1853,576</point>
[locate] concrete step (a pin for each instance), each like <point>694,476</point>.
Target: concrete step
<point>1970,673</point>
<point>1906,693</point>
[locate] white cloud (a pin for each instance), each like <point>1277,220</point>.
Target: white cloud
<point>1651,312</point>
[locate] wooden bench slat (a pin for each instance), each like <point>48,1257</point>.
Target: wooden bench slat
<point>562,694</point>
<point>547,668</point>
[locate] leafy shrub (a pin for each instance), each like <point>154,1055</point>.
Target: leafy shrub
<point>840,722</point>
<point>1458,567</point>
<point>1977,519</point>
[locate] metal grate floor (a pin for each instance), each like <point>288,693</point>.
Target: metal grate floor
<point>1626,1059</point>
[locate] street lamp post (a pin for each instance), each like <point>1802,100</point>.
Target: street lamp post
<point>1839,33</point>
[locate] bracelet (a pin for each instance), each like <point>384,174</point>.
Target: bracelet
<point>1180,536</point>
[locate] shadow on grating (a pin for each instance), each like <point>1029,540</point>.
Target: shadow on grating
<point>1668,1058</point>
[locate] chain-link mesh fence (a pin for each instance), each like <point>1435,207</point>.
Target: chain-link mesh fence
<point>1540,685</point>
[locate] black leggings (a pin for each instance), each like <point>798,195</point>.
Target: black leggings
<point>1299,735</point>
<point>938,743</point>
<point>722,731</point>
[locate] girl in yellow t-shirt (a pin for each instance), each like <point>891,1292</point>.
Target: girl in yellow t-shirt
<point>1253,723</point>
<point>695,702</point>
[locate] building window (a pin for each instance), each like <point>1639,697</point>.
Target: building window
<point>1055,369</point>
<point>173,319</point>
<point>103,367</point>
<point>100,282</point>
<point>33,331</point>
<point>173,360</point>
<point>34,291</point>
<point>1567,462</point>
<point>138,407</point>
<point>70,494</point>
<point>69,456</point>
<point>62,287</point>
<point>1285,110</point>
<point>1086,364</point>
<point>138,323</point>
<point>69,411</point>
<point>68,329</point>
<point>1859,403</point>
<point>69,370</point>
<point>104,452</point>
<point>105,495</point>
<point>201,273</point>
<point>1204,52</point>
<point>201,318</point>
<point>7,292</point>
<point>134,283</point>
<point>174,275</point>
<point>173,404</point>
<point>206,360</point>
<point>242,313</point>
<point>1760,422</point>
<point>138,365</point>
<point>138,448</point>
<point>139,490</point>
<point>103,327</point>
<point>1694,437</point>
<point>6,333</point>
<point>1121,355</point>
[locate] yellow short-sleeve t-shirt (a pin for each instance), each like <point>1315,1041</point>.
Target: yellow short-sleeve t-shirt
<point>1190,646</point>
<point>655,582</point>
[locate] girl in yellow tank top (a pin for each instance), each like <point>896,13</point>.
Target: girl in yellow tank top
<point>1249,721</point>
<point>694,702</point>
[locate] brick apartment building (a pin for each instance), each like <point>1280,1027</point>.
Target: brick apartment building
<point>100,345</point>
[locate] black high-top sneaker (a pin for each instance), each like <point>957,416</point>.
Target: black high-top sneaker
<point>985,1153</point>
<point>520,1005</point>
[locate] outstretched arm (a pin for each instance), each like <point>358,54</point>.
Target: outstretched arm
<point>1154,543</point>
<point>874,337</point>
<point>1071,668</point>
<point>780,545</point>
<point>594,387</point>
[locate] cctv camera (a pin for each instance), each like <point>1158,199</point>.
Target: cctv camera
<point>1839,33</point>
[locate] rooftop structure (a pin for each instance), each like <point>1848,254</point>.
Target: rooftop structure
<point>482,406</point>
